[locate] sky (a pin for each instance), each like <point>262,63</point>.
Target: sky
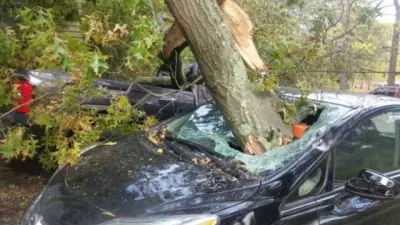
<point>388,12</point>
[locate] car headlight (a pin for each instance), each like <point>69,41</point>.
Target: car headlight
<point>167,220</point>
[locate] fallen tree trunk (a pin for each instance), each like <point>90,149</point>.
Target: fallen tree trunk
<point>252,117</point>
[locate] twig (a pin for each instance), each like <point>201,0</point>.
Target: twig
<point>334,24</point>
<point>173,92</point>
<point>355,25</point>
<point>126,93</point>
<point>153,11</point>
<point>26,103</point>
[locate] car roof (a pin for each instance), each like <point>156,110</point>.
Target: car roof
<point>346,99</point>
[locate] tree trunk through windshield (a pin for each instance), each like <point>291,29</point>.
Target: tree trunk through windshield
<point>252,117</point>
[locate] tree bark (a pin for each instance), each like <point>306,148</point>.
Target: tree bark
<point>347,48</point>
<point>394,51</point>
<point>252,117</point>
<point>343,79</point>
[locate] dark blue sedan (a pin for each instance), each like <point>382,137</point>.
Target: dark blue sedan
<point>344,170</point>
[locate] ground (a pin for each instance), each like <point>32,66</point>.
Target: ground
<point>17,190</point>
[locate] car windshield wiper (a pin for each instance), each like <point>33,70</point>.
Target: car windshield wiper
<point>197,147</point>
<point>227,164</point>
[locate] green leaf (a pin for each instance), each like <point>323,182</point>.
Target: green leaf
<point>99,64</point>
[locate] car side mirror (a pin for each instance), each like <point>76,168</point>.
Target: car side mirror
<point>372,185</point>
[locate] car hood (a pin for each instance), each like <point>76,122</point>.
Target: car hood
<point>133,178</point>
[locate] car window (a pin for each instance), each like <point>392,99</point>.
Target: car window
<point>372,144</point>
<point>312,185</point>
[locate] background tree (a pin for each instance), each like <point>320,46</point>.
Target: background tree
<point>303,42</point>
<point>394,51</point>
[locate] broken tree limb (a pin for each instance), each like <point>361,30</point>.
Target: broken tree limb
<point>240,27</point>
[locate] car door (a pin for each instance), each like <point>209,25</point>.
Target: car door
<point>372,143</point>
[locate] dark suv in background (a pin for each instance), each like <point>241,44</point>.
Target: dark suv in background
<point>392,91</point>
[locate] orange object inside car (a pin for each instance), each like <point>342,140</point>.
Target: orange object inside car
<point>298,130</point>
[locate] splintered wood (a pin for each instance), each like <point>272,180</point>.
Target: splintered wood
<point>241,28</point>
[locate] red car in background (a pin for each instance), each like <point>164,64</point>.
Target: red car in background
<point>172,104</point>
<point>163,108</point>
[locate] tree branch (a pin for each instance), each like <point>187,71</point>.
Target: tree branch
<point>355,25</point>
<point>183,87</point>
<point>26,103</point>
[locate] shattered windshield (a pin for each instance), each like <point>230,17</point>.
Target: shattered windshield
<point>207,127</point>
